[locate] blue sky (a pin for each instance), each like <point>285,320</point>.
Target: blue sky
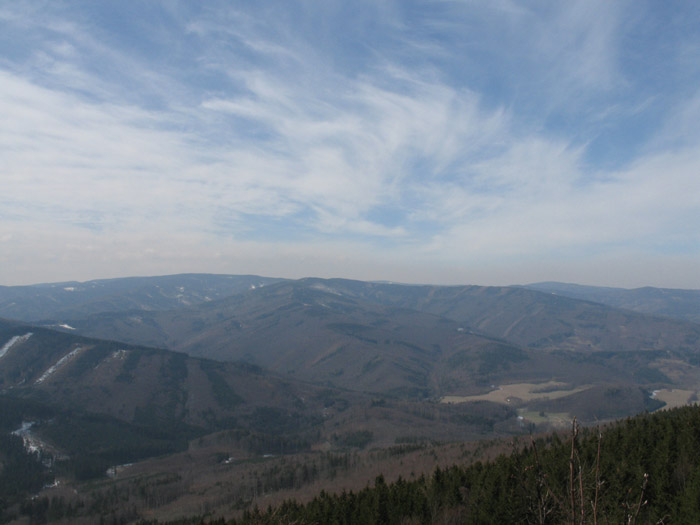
<point>452,142</point>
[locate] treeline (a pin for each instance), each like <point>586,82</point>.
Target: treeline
<point>21,472</point>
<point>89,444</point>
<point>125,502</point>
<point>93,443</point>
<point>643,470</point>
<point>293,473</point>
<point>260,444</point>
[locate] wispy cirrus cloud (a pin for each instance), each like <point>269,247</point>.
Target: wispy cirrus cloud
<point>463,135</point>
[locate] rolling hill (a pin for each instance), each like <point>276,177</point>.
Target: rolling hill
<point>523,349</point>
<point>70,300</point>
<point>198,369</point>
<point>419,341</point>
<point>184,397</point>
<point>531,318</point>
<point>668,302</point>
<point>139,384</point>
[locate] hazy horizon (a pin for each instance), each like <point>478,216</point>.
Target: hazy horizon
<point>406,283</point>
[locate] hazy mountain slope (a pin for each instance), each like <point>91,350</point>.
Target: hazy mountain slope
<point>365,336</point>
<point>140,384</point>
<point>176,395</point>
<point>531,318</point>
<point>522,316</point>
<point>74,300</point>
<point>669,302</point>
<point>304,330</point>
<point>647,467</point>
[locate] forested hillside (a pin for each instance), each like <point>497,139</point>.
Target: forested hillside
<point>282,389</point>
<point>669,302</point>
<point>70,300</point>
<point>643,470</point>
<point>420,342</point>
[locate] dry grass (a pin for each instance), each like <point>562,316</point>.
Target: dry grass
<point>674,397</point>
<point>520,392</point>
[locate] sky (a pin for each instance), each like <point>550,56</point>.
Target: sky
<point>485,142</point>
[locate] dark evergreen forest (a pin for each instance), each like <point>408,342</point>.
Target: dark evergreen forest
<point>642,470</point>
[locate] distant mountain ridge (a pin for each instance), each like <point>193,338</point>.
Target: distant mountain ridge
<point>409,341</point>
<point>282,365</point>
<point>71,299</point>
<point>415,341</point>
<point>305,329</point>
<point>68,300</point>
<point>668,302</point>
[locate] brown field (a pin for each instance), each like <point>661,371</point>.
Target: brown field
<point>517,393</point>
<point>675,397</point>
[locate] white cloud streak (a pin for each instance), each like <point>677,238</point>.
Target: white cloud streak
<point>384,163</point>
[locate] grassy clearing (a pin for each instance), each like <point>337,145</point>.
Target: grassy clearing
<point>520,392</point>
<point>675,397</point>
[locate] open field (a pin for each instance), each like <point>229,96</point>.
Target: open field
<point>520,392</point>
<point>675,397</point>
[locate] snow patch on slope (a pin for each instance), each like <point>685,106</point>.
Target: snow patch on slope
<point>120,354</point>
<point>18,339</point>
<point>61,362</point>
<point>62,325</point>
<point>325,288</point>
